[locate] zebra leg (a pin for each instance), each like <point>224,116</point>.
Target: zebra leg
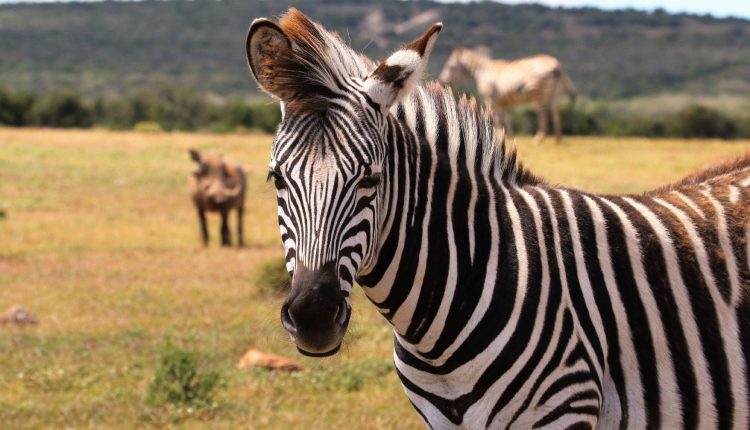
<point>541,114</point>
<point>508,123</point>
<point>556,121</point>
<point>497,117</point>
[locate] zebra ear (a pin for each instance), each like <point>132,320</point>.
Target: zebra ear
<point>395,77</point>
<point>265,46</point>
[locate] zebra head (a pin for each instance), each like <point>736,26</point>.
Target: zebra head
<point>328,162</point>
<point>453,70</point>
<point>461,64</point>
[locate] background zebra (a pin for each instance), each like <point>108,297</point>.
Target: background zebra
<point>504,84</point>
<point>514,303</point>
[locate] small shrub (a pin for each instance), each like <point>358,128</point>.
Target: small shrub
<point>273,277</point>
<point>148,127</point>
<point>2,213</point>
<point>179,379</point>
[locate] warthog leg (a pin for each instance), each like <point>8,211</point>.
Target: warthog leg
<point>226,239</point>
<point>204,228</point>
<point>240,236</point>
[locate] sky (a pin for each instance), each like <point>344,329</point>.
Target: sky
<point>719,8</point>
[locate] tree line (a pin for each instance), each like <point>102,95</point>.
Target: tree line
<point>598,119</point>
<point>174,108</point>
<point>165,107</point>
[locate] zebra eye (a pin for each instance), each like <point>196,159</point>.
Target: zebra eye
<point>278,180</point>
<point>370,181</point>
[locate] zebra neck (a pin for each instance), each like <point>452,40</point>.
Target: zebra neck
<point>475,64</point>
<point>444,222</point>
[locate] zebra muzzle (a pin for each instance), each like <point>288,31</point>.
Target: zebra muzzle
<point>316,312</point>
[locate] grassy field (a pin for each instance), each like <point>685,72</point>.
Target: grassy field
<point>100,241</point>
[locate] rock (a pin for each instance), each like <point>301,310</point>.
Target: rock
<point>258,358</point>
<point>16,315</point>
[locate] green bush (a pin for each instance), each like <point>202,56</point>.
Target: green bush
<point>15,108</point>
<point>180,379</point>
<point>596,118</point>
<point>574,120</point>
<point>119,113</point>
<point>178,108</point>
<point>175,108</point>
<point>701,121</point>
<point>266,116</point>
<point>61,109</point>
<point>578,121</point>
<point>273,277</point>
<point>743,127</point>
<point>239,115</point>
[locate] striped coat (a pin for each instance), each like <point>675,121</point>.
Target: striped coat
<point>504,84</point>
<point>514,303</point>
<point>625,312</point>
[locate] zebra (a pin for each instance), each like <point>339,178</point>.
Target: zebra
<point>503,84</point>
<point>514,303</point>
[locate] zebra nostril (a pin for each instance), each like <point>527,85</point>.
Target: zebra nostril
<point>341,314</point>
<point>287,321</point>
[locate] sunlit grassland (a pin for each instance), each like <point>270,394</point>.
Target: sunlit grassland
<point>100,241</point>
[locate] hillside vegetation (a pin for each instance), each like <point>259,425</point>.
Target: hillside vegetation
<point>110,47</point>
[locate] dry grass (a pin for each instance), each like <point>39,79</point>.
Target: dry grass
<point>101,242</point>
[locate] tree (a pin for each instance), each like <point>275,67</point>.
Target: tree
<point>61,109</point>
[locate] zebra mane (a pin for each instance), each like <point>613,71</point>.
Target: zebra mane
<point>479,140</point>
<point>708,173</point>
<point>319,60</point>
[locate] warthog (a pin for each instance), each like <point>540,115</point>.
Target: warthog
<point>218,185</point>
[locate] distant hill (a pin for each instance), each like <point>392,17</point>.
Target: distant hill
<point>111,47</point>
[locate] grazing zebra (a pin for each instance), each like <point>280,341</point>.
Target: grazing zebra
<point>503,84</point>
<point>514,303</point>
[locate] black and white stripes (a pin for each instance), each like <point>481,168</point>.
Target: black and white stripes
<point>514,303</point>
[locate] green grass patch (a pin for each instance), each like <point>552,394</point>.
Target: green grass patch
<point>181,378</point>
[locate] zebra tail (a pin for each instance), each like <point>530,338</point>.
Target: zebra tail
<point>564,79</point>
